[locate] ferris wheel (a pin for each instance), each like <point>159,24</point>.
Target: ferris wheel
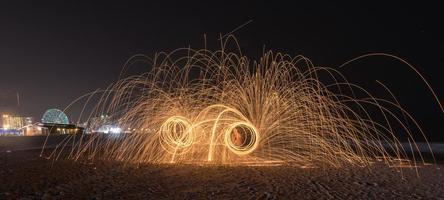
<point>55,116</point>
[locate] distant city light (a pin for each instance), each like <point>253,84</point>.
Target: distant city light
<point>115,130</point>
<point>112,129</point>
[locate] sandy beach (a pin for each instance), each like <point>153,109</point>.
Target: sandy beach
<point>24,175</point>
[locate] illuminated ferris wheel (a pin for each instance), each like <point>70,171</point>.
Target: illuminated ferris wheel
<point>55,116</point>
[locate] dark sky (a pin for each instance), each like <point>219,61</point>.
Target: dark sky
<point>53,52</point>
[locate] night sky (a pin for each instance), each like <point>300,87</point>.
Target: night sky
<point>52,53</point>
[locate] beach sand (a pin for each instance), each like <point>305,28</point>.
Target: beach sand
<point>25,175</point>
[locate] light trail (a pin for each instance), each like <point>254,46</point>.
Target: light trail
<point>205,107</point>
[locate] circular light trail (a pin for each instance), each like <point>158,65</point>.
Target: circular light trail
<point>241,138</point>
<point>176,132</point>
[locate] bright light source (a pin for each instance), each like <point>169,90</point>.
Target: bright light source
<point>115,130</point>
<point>109,129</point>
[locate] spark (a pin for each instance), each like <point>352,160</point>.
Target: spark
<point>218,107</point>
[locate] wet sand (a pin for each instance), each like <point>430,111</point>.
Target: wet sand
<point>25,175</point>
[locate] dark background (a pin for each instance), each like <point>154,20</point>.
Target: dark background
<point>53,52</point>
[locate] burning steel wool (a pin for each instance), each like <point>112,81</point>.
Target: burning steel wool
<point>219,107</point>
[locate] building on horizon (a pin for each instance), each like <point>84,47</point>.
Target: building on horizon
<point>12,121</point>
<point>13,125</point>
<point>35,129</point>
<point>54,121</point>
